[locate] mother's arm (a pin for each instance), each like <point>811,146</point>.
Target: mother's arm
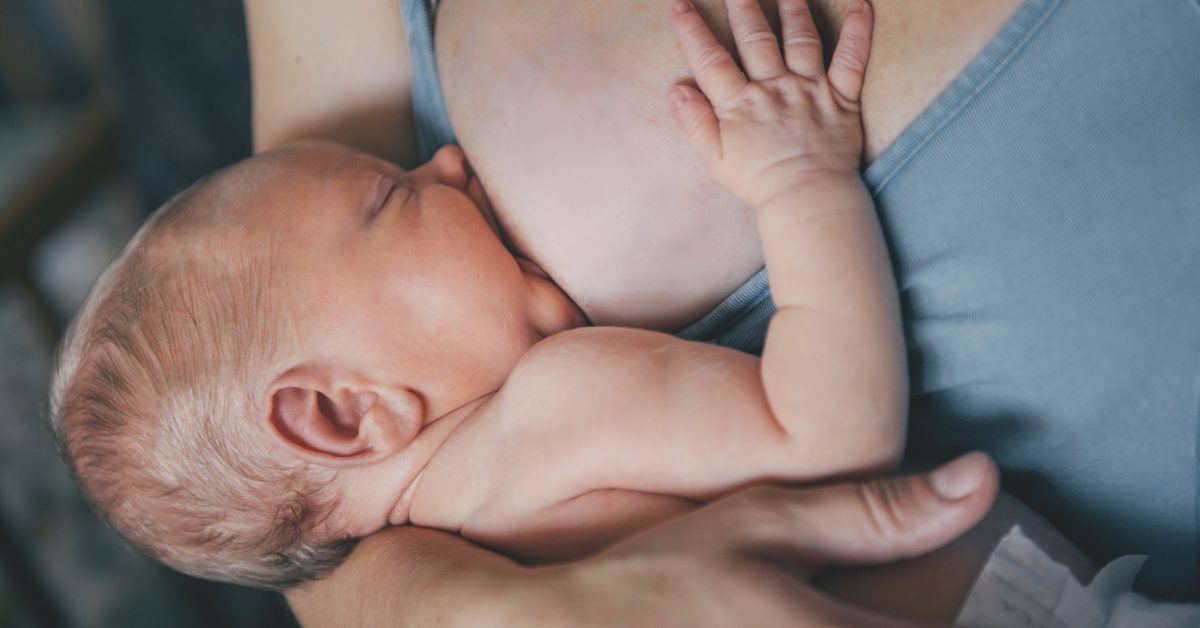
<point>336,70</point>
<point>743,560</point>
<point>409,576</point>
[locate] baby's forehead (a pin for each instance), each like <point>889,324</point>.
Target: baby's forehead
<point>288,181</point>
<point>220,216</point>
<point>283,193</point>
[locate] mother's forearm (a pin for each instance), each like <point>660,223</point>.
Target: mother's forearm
<point>409,576</point>
<point>336,70</point>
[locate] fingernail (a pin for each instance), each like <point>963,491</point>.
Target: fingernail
<point>856,6</point>
<point>678,99</point>
<point>961,477</point>
<point>683,6</point>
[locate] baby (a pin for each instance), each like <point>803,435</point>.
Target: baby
<point>313,345</point>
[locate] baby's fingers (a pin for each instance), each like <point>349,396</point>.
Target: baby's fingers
<point>801,43</point>
<point>695,117</point>
<point>715,71</point>
<point>849,64</point>
<point>756,42</point>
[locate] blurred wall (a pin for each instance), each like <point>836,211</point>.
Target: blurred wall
<point>107,108</point>
<point>182,87</point>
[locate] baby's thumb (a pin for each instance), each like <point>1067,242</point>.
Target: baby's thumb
<point>694,116</point>
<point>896,518</point>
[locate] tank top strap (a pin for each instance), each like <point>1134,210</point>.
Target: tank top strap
<point>431,122</point>
<point>974,79</point>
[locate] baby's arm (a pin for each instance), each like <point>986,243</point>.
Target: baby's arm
<point>597,423</point>
<point>601,431</point>
<point>332,70</point>
<point>786,136</point>
<point>596,428</point>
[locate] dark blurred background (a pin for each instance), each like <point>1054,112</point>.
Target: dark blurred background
<point>107,108</point>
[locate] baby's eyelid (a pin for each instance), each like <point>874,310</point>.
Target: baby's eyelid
<point>381,188</point>
<point>384,189</point>
<point>382,202</point>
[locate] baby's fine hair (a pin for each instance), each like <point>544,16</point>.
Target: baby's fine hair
<point>154,405</point>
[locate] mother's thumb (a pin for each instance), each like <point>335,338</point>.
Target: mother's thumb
<point>891,519</point>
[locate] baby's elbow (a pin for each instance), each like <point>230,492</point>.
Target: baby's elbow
<point>845,448</point>
<point>886,439</point>
<point>872,443</point>
<point>883,453</point>
<point>880,420</point>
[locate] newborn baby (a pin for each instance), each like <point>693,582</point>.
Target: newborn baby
<point>313,345</point>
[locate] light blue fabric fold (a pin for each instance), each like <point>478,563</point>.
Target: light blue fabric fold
<point>430,120</point>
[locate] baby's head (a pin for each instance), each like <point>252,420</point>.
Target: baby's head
<point>241,393</point>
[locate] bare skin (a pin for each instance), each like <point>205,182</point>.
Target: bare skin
<point>588,175</point>
<point>745,560</point>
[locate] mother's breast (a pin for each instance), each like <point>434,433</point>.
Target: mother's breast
<point>561,107</point>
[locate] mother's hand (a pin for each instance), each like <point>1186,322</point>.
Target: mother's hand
<point>744,560</point>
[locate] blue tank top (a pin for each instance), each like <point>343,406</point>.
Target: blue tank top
<point>1044,220</point>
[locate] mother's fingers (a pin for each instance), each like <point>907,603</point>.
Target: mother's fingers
<point>756,42</point>
<point>716,73</point>
<point>849,64</point>
<point>801,43</point>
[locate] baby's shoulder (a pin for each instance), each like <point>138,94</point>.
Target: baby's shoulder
<point>586,363</point>
<point>601,340</point>
<point>591,351</point>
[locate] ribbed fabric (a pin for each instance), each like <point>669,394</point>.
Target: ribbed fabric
<point>1044,220</point>
<point>430,119</point>
<point>740,321</point>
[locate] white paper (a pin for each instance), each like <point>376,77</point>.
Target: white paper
<point>1023,587</point>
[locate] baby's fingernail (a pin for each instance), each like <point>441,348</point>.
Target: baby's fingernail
<point>961,477</point>
<point>678,98</point>
<point>683,6</point>
<point>856,6</point>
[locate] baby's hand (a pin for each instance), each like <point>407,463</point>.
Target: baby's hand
<point>785,123</point>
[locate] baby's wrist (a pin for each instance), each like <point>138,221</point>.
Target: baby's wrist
<point>821,193</point>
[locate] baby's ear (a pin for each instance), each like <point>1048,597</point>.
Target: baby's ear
<point>343,423</point>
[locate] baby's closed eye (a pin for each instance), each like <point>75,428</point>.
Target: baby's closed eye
<point>379,195</point>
